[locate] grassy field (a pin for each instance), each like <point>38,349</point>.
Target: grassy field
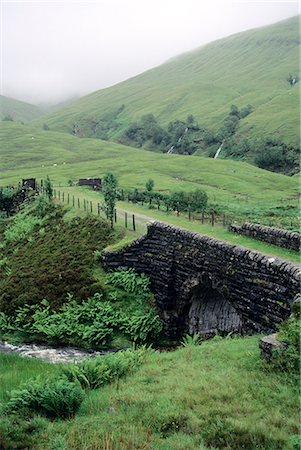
<point>232,186</point>
<point>19,111</point>
<point>247,68</point>
<point>214,396</point>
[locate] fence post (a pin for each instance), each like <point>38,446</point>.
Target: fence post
<point>63,196</point>
<point>59,195</point>
<point>134,225</point>
<point>189,214</point>
<point>203,216</point>
<point>78,203</point>
<point>224,220</point>
<point>84,204</point>
<point>68,197</point>
<point>98,209</point>
<point>126,220</point>
<point>91,207</point>
<point>115,215</point>
<point>212,218</point>
<point>72,200</point>
<point>54,193</point>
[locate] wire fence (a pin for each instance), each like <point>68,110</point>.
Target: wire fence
<point>128,220</point>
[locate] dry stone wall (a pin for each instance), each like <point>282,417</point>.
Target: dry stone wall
<point>277,236</point>
<point>206,285</point>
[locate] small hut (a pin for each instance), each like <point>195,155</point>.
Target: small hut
<point>95,183</point>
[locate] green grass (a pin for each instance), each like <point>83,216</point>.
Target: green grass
<point>247,68</point>
<point>16,370</point>
<point>214,396</point>
<point>233,186</point>
<point>17,110</point>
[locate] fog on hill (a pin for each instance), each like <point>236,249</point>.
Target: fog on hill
<point>65,50</point>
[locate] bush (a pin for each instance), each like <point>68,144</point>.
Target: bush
<point>41,207</point>
<point>95,373</point>
<point>54,399</point>
<point>93,323</point>
<point>130,281</point>
<point>289,359</point>
<point>21,226</point>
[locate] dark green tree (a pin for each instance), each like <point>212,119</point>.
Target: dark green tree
<point>197,200</point>
<point>149,185</point>
<point>48,188</point>
<point>8,118</point>
<point>109,190</point>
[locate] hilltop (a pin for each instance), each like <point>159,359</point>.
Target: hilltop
<point>249,68</point>
<point>18,111</point>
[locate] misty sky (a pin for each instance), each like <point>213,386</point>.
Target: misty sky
<point>54,50</point>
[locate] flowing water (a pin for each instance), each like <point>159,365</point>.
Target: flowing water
<point>50,354</point>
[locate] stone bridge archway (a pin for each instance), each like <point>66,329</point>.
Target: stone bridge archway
<point>207,308</point>
<point>201,283</point>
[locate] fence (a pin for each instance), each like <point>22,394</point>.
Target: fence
<point>129,221</point>
<point>212,218</point>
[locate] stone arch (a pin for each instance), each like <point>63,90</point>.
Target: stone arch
<point>207,309</point>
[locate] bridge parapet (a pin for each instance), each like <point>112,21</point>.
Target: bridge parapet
<point>206,285</point>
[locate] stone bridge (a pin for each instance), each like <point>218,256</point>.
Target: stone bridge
<point>206,285</point>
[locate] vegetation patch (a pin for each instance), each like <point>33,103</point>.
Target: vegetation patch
<point>49,258</point>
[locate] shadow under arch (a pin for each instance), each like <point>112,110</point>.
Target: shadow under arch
<point>206,308</point>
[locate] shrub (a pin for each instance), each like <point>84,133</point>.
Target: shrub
<point>93,323</point>
<point>130,281</point>
<point>191,340</point>
<point>55,399</point>
<point>94,373</point>
<point>41,207</point>
<point>20,227</point>
<point>288,359</point>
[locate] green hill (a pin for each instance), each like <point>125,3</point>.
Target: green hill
<point>18,111</point>
<point>251,67</point>
<point>231,185</point>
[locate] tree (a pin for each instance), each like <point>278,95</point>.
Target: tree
<point>197,200</point>
<point>48,187</point>
<point>149,185</point>
<point>234,111</point>
<point>109,190</point>
<point>8,118</point>
<point>7,198</point>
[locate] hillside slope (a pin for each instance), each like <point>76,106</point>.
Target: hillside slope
<point>230,184</point>
<point>17,110</point>
<point>251,67</point>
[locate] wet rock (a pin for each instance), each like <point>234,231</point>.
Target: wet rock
<point>269,344</point>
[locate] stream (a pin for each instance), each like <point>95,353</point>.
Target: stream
<point>50,354</point>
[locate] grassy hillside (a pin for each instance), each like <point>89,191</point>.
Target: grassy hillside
<point>214,396</point>
<point>17,110</point>
<point>247,68</point>
<point>231,185</point>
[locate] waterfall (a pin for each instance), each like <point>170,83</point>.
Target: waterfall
<point>218,150</point>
